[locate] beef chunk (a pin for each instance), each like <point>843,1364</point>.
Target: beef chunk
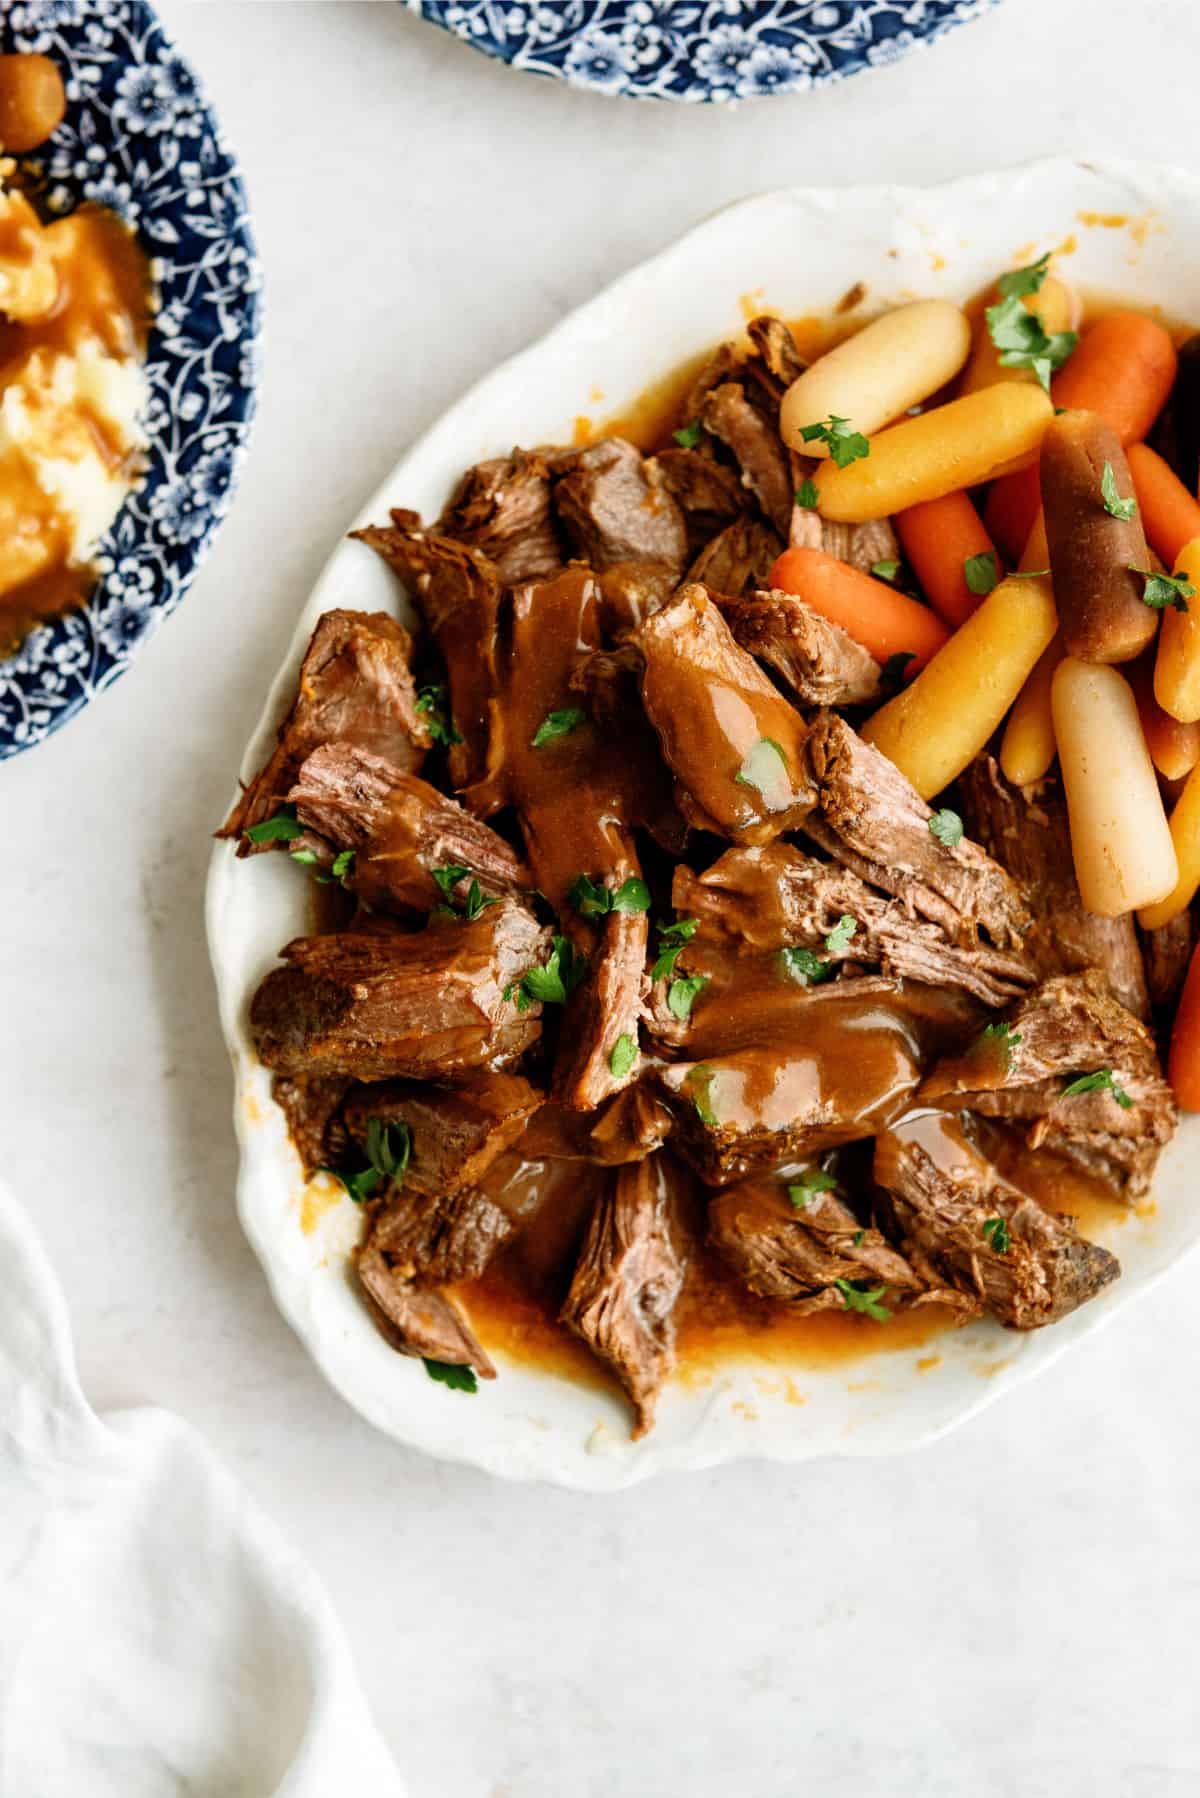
<point>734,744</point>
<point>626,1283</point>
<point>612,512</point>
<point>354,687</point>
<point>723,365</point>
<point>400,829</point>
<point>415,1320</point>
<point>821,663</point>
<point>861,545</point>
<point>312,1109</point>
<point>739,559</point>
<point>842,1061</point>
<point>606,1008</point>
<point>454,1135</point>
<point>952,1208</point>
<point>458,591</point>
<point>429,1005</point>
<point>798,1256</point>
<point>436,1239</point>
<point>709,494</point>
<point>630,592</point>
<point>502,508</point>
<point>756,448</point>
<point>1027,831</point>
<point>630,1127</point>
<point>774,363</point>
<point>871,818</point>
<point>777,897</point>
<point>1167,954</point>
<point>1069,1027</point>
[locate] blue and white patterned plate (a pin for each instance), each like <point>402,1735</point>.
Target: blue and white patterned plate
<point>138,137</point>
<point>697,49</point>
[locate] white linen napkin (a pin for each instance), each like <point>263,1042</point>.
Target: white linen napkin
<point>157,1636</point>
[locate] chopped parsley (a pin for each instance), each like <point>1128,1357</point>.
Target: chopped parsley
<point>1114,505</point>
<point>806,964</point>
<point>558,724</point>
<point>996,1231</point>
<point>894,670</point>
<point>447,1373</point>
<point>389,1146</point>
<point>981,572</point>
<point>700,1080</point>
<point>682,995</point>
<point>813,1179</point>
<point>858,1238</point>
<point>1005,1035</point>
<point>476,900</point>
<point>304,857</point>
<point>1102,1081</point>
<point>807,495</point>
<point>839,938</point>
<point>593,900</point>
<point>448,878</point>
<point>552,983</point>
<point>432,701</point>
<point>947,827</point>
<point>671,940</point>
<point>280,828</point>
<point>1020,336</point>
<point>689,435</point>
<point>887,570</point>
<point>765,768</point>
<point>624,1054</point>
<point>1162,590</point>
<point>343,865</point>
<point>860,1295</point>
<point>845,445</point>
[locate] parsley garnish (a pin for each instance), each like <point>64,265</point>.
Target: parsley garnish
<point>447,1373</point>
<point>1114,505</point>
<point>996,1231</point>
<point>671,940</point>
<point>1005,1035</point>
<point>1021,281</point>
<point>554,982</point>
<point>891,676</point>
<point>947,827</point>
<point>1163,590</point>
<point>436,707</point>
<point>624,1054</point>
<point>861,1296</point>
<point>389,1146</point>
<point>1102,1081</point>
<point>280,828</point>
<point>304,857</point>
<point>981,572</point>
<point>813,1179</point>
<point>1020,336</point>
<point>764,768</point>
<point>689,436</point>
<point>343,865</point>
<point>887,570</point>
<point>807,495</point>
<point>682,995</point>
<point>805,964</point>
<point>858,1238</point>
<point>838,940</point>
<point>592,900</point>
<point>476,900</point>
<point>558,724</point>
<point>845,445</point>
<point>700,1079</point>
<point>448,878</point>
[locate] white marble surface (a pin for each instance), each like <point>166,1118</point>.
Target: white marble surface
<point>1013,1611</point>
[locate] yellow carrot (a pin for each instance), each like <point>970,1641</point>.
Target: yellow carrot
<point>1027,749</point>
<point>1185,834</point>
<point>938,724</point>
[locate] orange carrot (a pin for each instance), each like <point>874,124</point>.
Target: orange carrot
<point>882,619</point>
<point>1183,1061</point>
<point>1124,369</point>
<point>1170,514</point>
<point>939,537</point>
<point>1174,747</point>
<point>1013,503</point>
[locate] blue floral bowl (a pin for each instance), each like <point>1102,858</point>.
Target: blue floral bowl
<point>697,49</point>
<point>139,138</point>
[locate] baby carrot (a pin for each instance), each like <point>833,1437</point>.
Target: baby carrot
<point>1174,747</point>
<point>1124,369</point>
<point>1170,514</point>
<point>940,536</point>
<point>880,617</point>
<point>1185,834</point>
<point>1177,671</point>
<point>1012,507</point>
<point>1027,749</point>
<point>1183,1059</point>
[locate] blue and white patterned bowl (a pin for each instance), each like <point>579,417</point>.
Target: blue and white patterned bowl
<point>138,137</point>
<point>697,49</point>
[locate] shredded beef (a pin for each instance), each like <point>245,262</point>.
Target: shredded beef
<point>818,660</point>
<point>612,512</point>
